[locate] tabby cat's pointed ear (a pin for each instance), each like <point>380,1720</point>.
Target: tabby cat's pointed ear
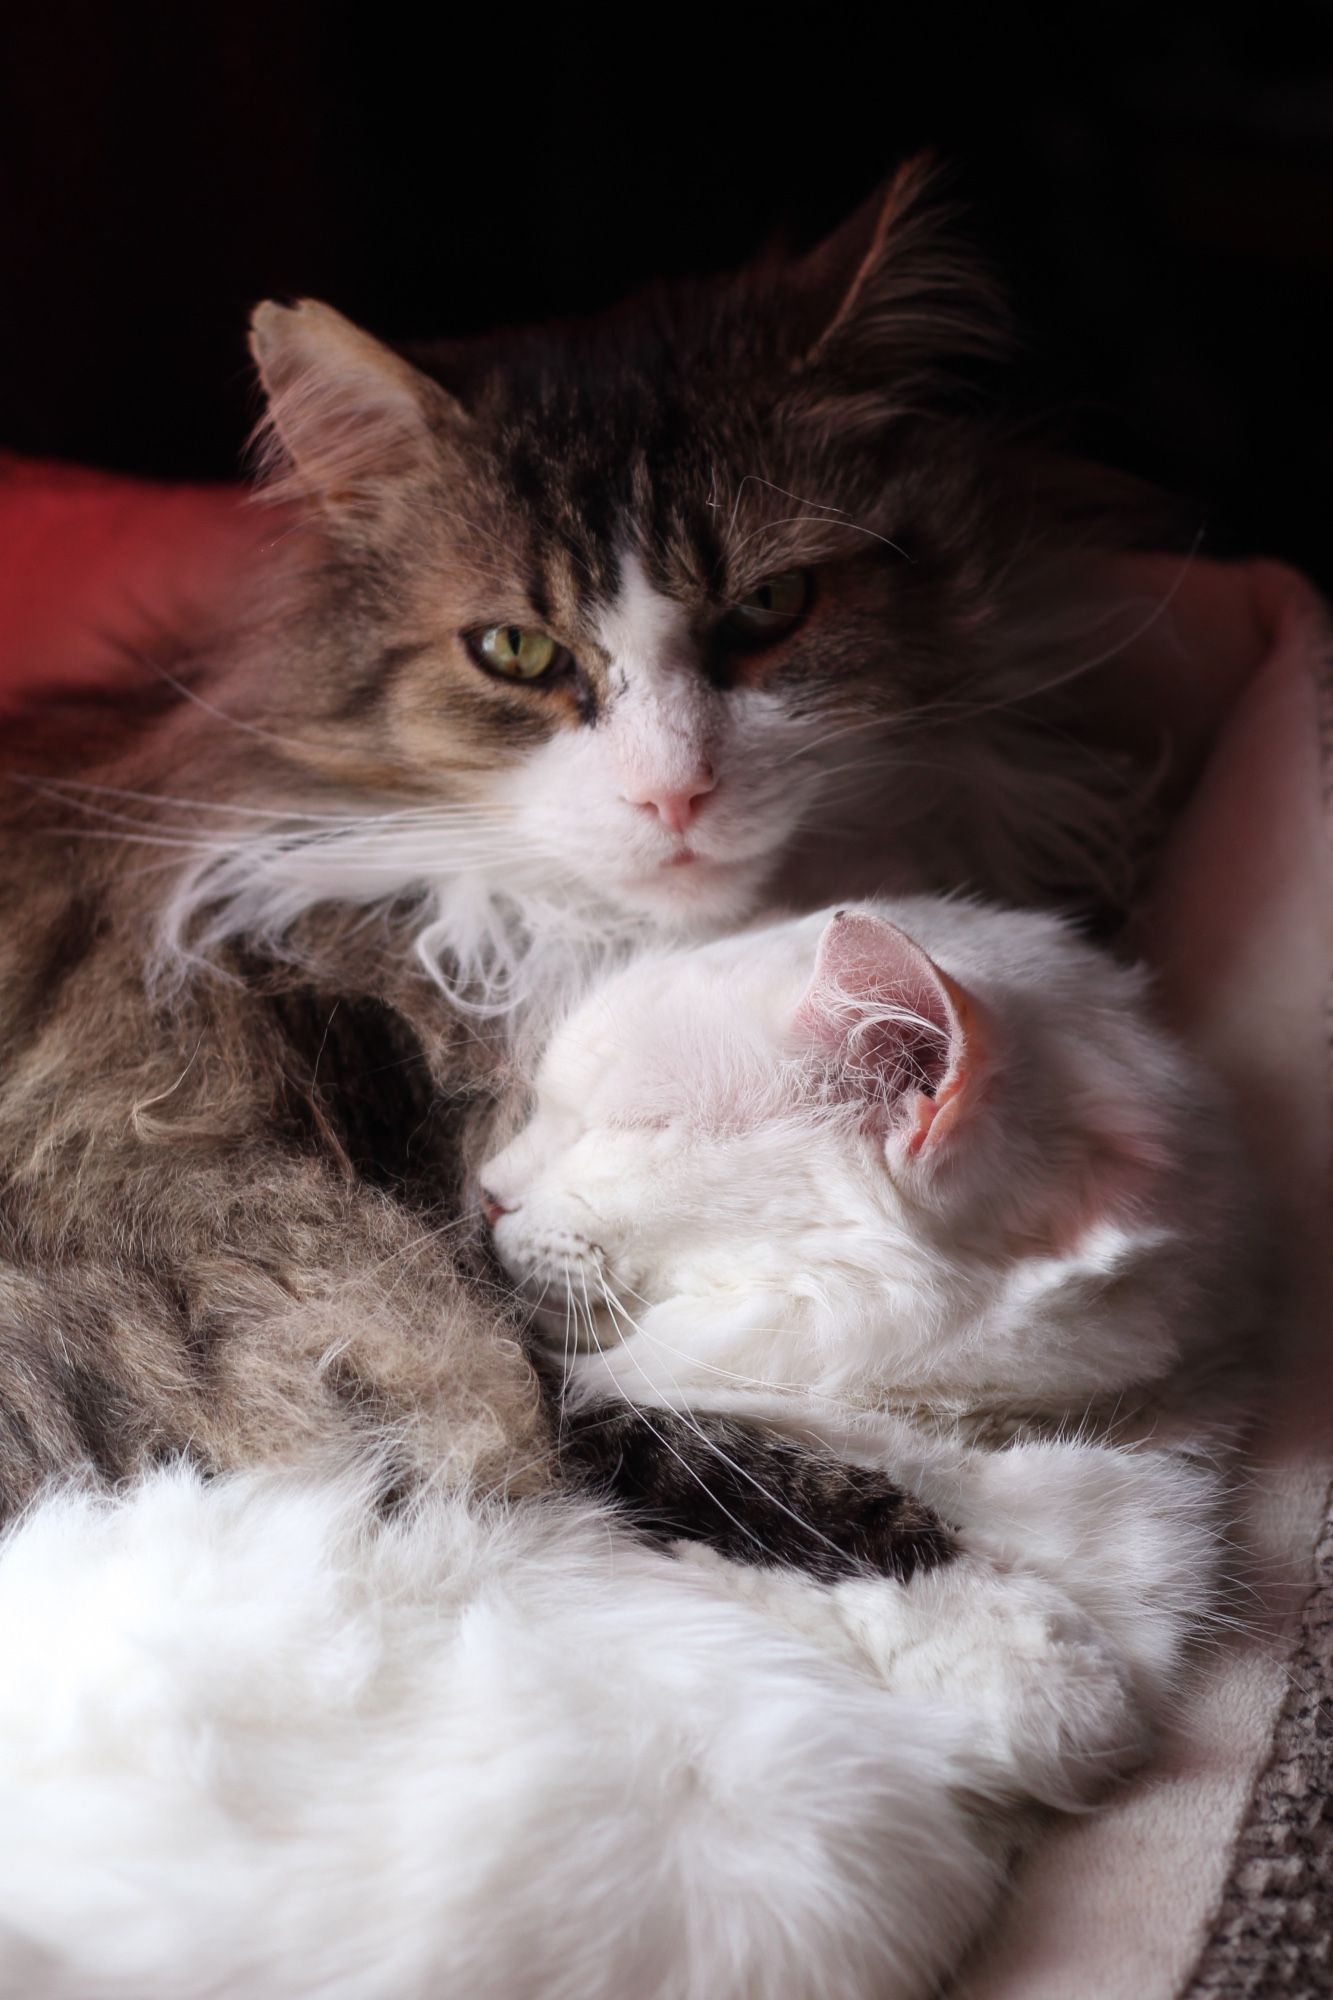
<point>347,417</point>
<point>895,289</point>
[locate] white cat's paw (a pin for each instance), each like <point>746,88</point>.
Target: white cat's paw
<point>1051,1701</point>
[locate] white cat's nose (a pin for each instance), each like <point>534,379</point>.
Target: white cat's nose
<point>491,1209</point>
<point>676,806</point>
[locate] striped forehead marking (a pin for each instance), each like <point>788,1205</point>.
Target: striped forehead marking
<point>642,629</point>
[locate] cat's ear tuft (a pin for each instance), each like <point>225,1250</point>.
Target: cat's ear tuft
<point>902,1037</point>
<point>347,417</point>
<point>895,293</point>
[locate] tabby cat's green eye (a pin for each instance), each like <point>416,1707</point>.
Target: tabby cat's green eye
<point>770,610</point>
<point>515,651</point>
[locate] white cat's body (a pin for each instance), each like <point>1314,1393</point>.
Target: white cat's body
<point>252,1746</point>
<point>962,1212</point>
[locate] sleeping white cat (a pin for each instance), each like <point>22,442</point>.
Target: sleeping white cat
<point>912,1179</point>
<point>824,1158</point>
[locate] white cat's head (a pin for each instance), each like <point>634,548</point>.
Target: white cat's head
<point>850,1150</point>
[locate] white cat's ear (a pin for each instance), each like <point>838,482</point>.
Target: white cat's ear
<point>906,1037</point>
<point>347,417</point>
<point>895,288</point>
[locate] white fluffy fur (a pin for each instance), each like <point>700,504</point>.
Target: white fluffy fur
<point>252,1745</point>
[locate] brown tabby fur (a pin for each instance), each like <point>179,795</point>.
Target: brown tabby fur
<point>223,1215</point>
<point>230,1204</point>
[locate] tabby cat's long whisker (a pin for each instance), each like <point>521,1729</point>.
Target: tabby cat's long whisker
<point>391,816</point>
<point>949,708</point>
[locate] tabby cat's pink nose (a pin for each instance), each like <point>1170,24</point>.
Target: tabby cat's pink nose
<point>676,809</point>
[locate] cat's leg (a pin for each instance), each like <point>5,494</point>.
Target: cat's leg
<point>1134,1534</point>
<point>1048,1701</point>
<point>1055,1711</point>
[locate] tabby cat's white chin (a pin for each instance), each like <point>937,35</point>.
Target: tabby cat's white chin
<point>695,894</point>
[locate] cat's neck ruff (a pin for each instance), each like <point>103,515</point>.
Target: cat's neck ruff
<point>501,936</point>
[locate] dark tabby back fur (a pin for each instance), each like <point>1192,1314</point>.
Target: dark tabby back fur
<point>757,1499</point>
<point>236,1106</point>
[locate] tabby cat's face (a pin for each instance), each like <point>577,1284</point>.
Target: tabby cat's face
<point>652,598</point>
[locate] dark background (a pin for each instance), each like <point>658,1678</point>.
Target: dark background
<point>1156,183</point>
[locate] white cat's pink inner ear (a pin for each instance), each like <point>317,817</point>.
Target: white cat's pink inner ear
<point>899,1024</point>
<point>935,1115</point>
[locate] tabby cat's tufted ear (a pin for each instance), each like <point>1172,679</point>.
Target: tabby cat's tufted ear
<point>347,417</point>
<point>904,1037</point>
<point>894,290</point>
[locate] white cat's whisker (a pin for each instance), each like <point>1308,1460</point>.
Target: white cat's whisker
<point>684,1463</point>
<point>731,1375</point>
<point>568,1342</point>
<point>595,1346</point>
<point>682,1409</point>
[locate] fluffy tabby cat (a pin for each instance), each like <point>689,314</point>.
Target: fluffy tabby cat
<point>563,637</point>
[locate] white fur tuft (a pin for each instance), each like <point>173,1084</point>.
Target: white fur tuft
<point>250,1744</point>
